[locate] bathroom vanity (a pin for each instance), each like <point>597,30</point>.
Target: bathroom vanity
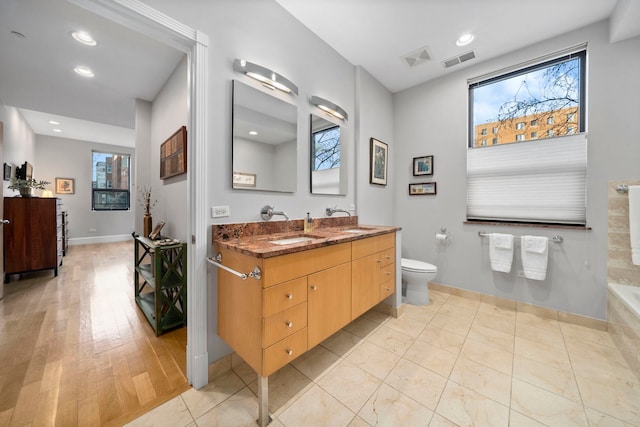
<point>298,288</point>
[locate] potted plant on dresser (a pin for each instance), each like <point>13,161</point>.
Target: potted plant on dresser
<point>26,186</point>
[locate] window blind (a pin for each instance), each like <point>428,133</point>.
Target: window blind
<point>536,181</point>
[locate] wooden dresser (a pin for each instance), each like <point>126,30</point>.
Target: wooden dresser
<point>33,237</point>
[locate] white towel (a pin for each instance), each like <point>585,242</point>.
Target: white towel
<point>501,252</point>
<point>634,222</point>
<point>535,250</point>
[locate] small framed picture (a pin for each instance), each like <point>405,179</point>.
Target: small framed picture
<point>65,186</point>
<point>423,165</point>
<point>155,234</point>
<point>422,189</point>
<point>7,172</point>
<point>378,162</point>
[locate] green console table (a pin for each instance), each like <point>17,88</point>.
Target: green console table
<point>161,283</point>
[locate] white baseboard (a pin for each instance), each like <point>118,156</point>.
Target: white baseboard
<point>99,239</point>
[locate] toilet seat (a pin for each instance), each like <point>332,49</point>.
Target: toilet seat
<point>415,266</point>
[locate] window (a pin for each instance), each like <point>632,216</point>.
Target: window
<point>494,130</point>
<point>110,186</point>
<point>494,141</point>
<point>519,182</point>
<point>484,131</point>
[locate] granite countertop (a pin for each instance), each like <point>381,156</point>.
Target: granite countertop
<point>247,238</point>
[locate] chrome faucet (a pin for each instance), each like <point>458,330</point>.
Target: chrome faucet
<point>331,210</point>
<point>267,212</point>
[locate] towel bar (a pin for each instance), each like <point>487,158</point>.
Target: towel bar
<point>217,260</point>
<point>554,239</point>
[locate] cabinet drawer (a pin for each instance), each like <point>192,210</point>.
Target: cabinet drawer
<point>386,273</point>
<point>283,324</point>
<point>387,257</point>
<point>281,297</point>
<point>386,289</point>
<point>371,245</point>
<point>283,352</point>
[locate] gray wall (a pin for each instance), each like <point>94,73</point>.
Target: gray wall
<point>73,160</point>
<point>431,119</point>
<point>19,143</point>
<point>260,31</point>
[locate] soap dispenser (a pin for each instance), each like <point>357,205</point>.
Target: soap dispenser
<point>308,223</point>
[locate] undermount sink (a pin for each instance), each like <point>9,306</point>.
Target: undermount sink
<point>293,239</point>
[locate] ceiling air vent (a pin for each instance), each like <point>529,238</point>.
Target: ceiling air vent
<point>417,57</point>
<point>459,59</point>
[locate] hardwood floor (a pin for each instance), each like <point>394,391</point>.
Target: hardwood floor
<point>76,350</point>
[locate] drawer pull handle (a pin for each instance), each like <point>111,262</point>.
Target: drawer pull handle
<point>388,289</point>
<point>378,260</point>
<point>289,351</point>
<point>388,256</point>
<point>289,296</point>
<point>289,324</point>
<point>388,273</point>
<point>314,288</point>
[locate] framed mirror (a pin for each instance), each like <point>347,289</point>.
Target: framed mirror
<point>327,172</point>
<point>264,145</point>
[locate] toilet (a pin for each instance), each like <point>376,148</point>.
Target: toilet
<point>417,275</point>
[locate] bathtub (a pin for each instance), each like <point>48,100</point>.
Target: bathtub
<point>623,322</point>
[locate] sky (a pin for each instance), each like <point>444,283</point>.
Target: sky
<point>488,99</point>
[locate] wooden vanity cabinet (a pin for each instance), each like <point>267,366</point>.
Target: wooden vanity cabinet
<point>373,272</point>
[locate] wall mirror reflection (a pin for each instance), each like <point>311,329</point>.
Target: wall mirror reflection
<point>326,159</point>
<point>264,146</point>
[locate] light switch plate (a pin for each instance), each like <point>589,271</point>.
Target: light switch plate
<point>220,211</point>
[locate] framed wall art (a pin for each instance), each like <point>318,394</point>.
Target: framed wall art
<point>422,189</point>
<point>423,165</point>
<point>65,186</point>
<point>173,154</point>
<point>378,160</point>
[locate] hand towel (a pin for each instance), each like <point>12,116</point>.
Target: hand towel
<point>634,222</point>
<point>501,252</point>
<point>535,251</point>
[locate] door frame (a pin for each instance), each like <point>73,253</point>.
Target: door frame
<point>142,18</point>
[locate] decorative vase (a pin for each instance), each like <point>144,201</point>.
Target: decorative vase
<point>25,192</point>
<point>148,224</point>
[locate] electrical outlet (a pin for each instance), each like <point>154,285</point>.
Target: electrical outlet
<point>352,207</point>
<point>520,273</point>
<point>92,230</point>
<point>220,211</point>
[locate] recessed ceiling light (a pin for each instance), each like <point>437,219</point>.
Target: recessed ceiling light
<point>53,122</point>
<point>253,132</point>
<point>84,38</point>
<point>465,39</point>
<point>84,71</point>
<point>57,130</point>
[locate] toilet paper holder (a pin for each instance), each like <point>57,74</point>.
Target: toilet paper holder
<point>443,235</point>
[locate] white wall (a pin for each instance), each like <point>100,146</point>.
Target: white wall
<point>141,175</point>
<point>169,111</point>
<point>431,119</point>
<point>19,143</point>
<point>73,160</point>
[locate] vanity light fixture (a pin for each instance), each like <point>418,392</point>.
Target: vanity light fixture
<point>268,78</point>
<point>84,38</point>
<point>253,133</point>
<point>329,107</point>
<point>465,39</point>
<point>83,71</point>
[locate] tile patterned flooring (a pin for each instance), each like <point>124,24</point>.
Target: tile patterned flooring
<point>455,362</point>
